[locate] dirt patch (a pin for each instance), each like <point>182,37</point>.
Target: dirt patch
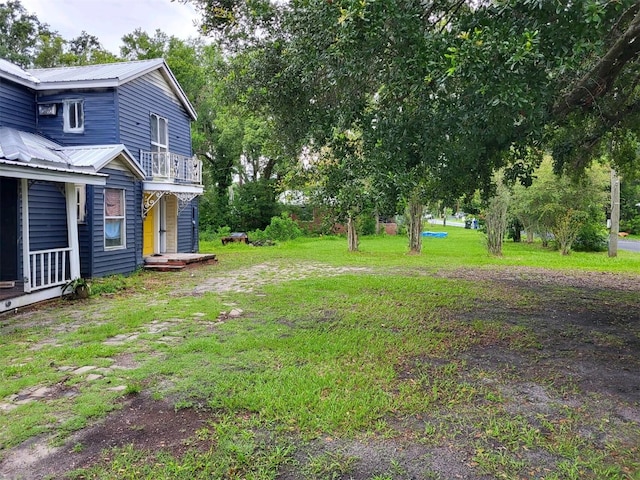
<point>143,422</point>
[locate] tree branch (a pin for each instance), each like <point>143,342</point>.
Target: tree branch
<point>599,80</point>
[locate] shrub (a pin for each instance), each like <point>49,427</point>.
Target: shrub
<point>631,226</point>
<point>591,238</point>
<point>257,236</point>
<point>366,224</point>
<point>282,228</point>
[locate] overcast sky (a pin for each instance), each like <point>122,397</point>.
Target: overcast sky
<point>110,20</point>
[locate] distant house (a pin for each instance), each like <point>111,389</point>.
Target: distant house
<point>96,173</point>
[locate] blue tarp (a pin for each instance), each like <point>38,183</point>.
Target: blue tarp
<point>434,234</point>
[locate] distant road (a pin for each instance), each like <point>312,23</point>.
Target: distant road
<point>630,245</point>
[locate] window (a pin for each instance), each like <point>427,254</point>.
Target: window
<point>73,116</point>
<point>81,202</point>
<point>114,218</point>
<point>159,134</point>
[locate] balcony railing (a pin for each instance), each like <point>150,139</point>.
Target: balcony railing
<point>171,167</point>
<point>48,268</point>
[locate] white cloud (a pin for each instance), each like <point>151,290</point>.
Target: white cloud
<point>110,20</point>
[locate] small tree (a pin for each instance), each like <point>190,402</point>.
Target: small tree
<point>496,220</point>
<point>565,225</point>
<point>414,214</point>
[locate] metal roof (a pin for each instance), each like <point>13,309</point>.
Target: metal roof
<point>97,156</point>
<point>16,72</point>
<point>122,71</point>
<point>33,150</point>
<point>29,148</point>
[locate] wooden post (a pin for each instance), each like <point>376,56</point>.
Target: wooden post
<point>26,262</point>
<point>72,230</point>
<point>615,214</point>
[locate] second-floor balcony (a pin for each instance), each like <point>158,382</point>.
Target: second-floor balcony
<point>171,168</point>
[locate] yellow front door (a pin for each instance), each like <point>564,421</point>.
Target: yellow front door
<point>148,243</point>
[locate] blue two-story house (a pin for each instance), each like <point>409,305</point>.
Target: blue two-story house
<point>96,173</point>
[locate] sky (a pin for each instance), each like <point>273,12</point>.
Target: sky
<point>110,20</point>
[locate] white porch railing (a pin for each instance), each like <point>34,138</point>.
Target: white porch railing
<point>171,167</point>
<point>48,268</point>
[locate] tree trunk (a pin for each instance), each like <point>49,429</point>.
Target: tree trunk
<point>496,222</point>
<point>530,232</point>
<point>377,222</point>
<point>415,226</point>
<point>615,214</point>
<point>352,235</point>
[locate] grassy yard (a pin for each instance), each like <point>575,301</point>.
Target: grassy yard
<point>305,361</point>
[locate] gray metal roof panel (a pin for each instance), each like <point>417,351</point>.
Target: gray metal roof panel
<point>97,156</point>
<point>120,71</point>
<point>8,69</point>
<point>28,147</point>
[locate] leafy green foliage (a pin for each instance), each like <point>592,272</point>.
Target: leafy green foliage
<point>253,206</point>
<point>561,208</point>
<point>19,33</point>
<point>282,228</point>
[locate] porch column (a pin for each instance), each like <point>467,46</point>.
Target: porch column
<point>72,230</point>
<point>26,264</point>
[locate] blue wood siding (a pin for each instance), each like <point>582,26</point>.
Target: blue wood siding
<point>124,260</point>
<point>17,106</point>
<point>100,118</point>
<point>187,229</point>
<point>85,232</point>
<point>137,100</point>
<point>139,222</point>
<point>47,216</point>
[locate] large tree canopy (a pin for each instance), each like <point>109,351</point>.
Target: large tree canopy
<point>455,88</point>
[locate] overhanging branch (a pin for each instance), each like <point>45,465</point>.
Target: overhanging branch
<point>599,80</point>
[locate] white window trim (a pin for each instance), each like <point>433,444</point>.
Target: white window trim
<point>65,113</point>
<point>122,217</point>
<point>155,118</point>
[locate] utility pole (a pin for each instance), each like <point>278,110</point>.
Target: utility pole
<point>615,214</point>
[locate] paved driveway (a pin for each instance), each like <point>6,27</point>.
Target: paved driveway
<point>630,245</point>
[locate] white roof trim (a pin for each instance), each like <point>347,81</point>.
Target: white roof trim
<point>9,168</point>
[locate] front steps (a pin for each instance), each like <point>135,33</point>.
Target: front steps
<point>177,261</point>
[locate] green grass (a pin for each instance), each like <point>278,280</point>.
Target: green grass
<point>348,354</point>
<point>461,248</point>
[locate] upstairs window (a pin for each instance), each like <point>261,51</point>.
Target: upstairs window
<point>114,219</point>
<point>159,134</point>
<point>74,116</point>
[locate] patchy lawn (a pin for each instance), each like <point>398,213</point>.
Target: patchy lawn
<point>273,364</point>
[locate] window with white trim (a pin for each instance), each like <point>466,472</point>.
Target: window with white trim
<point>114,219</point>
<point>81,202</point>
<point>159,134</point>
<point>73,113</point>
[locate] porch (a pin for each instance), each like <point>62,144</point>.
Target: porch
<point>177,261</point>
<point>15,297</point>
